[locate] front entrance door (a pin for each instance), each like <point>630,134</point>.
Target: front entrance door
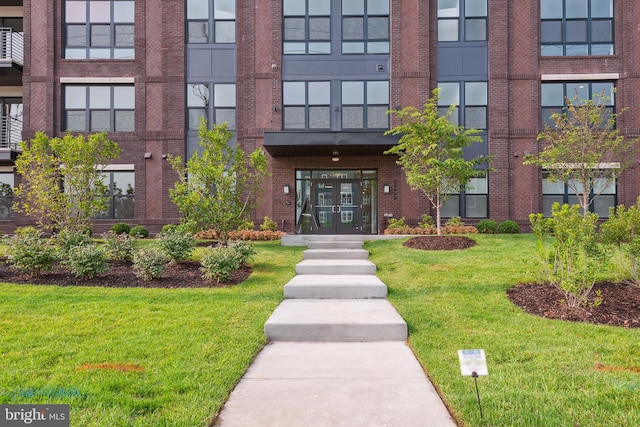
<point>336,206</point>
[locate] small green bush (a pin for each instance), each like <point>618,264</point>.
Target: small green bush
<point>268,224</point>
<point>139,231</point>
<point>508,227</point>
<point>27,229</point>
<point>149,263</point>
<point>120,228</point>
<point>427,221</point>
<point>454,221</point>
<point>176,244</point>
<point>119,247</point>
<point>168,228</point>
<point>487,226</point>
<point>30,253</point>
<point>66,241</point>
<point>218,263</point>
<point>244,251</point>
<point>247,225</point>
<point>86,261</point>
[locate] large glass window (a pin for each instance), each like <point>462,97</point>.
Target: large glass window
<point>205,15</point>
<point>365,104</point>
<point>99,108</point>
<point>306,27</point>
<point>6,195</point>
<point>365,26</point>
<point>576,27</point>
<point>462,20</point>
<point>603,195</point>
<point>473,202</point>
<point>121,191</point>
<point>99,29</point>
<point>472,95</point>
<point>199,101</point>
<point>553,96</point>
<point>306,105</point>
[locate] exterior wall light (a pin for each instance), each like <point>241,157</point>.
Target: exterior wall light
<point>286,189</point>
<point>336,156</point>
<point>386,188</point>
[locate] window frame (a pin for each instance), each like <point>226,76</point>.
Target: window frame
<point>113,197</point>
<point>462,200</point>
<point>214,105</point>
<point>547,109</point>
<point>568,196</point>
<point>368,43</point>
<point>109,51</point>
<point>366,106</point>
<point>112,109</point>
<point>308,104</point>
<point>563,46</point>
<point>323,45</point>
<point>462,16</point>
<point>7,185</point>
<point>211,23</point>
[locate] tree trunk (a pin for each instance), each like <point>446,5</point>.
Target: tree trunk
<point>438,206</point>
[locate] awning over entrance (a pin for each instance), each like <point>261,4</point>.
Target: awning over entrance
<point>291,144</point>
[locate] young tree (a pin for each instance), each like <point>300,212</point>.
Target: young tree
<point>217,187</point>
<point>430,151</point>
<point>581,147</point>
<point>62,182</point>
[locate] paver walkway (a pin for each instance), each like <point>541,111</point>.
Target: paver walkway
<point>337,354</point>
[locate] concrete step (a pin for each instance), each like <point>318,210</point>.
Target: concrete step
<point>335,254</point>
<point>338,244</point>
<point>322,286</point>
<point>335,266</point>
<point>335,321</point>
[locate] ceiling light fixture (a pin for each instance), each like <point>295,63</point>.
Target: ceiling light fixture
<point>335,157</point>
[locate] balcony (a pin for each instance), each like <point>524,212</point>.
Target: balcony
<point>11,57</point>
<point>10,137</point>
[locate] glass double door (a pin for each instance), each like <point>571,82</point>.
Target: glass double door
<point>337,206</point>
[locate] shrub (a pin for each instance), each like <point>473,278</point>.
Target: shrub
<point>119,247</point>
<point>218,263</point>
<point>247,225</point>
<point>244,251</point>
<point>622,232</point>
<point>571,261</point>
<point>66,241</point>
<point>149,263</point>
<point>508,227</point>
<point>86,261</point>
<point>487,226</point>
<point>398,226</point>
<point>268,224</point>
<point>27,229</point>
<point>30,253</point>
<point>454,221</point>
<point>176,244</point>
<point>168,228</point>
<point>120,228</point>
<point>139,231</point>
<point>427,221</point>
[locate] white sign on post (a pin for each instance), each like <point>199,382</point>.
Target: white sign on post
<point>473,361</point>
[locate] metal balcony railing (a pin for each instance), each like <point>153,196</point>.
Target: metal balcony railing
<point>11,45</point>
<point>10,132</point>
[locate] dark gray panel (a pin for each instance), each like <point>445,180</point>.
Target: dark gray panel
<point>474,61</point>
<point>204,62</point>
<point>463,61</point>
<point>449,62</point>
<point>338,67</point>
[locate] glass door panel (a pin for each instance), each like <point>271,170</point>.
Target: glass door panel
<point>324,206</point>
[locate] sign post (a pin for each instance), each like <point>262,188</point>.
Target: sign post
<point>473,363</point>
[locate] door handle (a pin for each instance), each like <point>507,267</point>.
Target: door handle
<point>339,209</point>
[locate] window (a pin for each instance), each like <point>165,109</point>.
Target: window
<point>470,16</point>
<point>306,105</point>
<point>307,27</point>
<point>473,97</point>
<point>6,195</point>
<point>99,29</point>
<point>576,27</point>
<point>365,104</point>
<point>199,96</point>
<point>365,26</point>
<point>120,194</point>
<point>203,15</point>
<point>473,202</point>
<point>603,195</point>
<point>99,108</point>
<point>553,96</point>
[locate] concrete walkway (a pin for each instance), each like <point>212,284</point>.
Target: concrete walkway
<point>337,354</point>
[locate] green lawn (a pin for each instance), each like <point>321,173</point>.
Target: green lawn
<point>541,372</point>
<point>185,349</point>
<point>193,345</point>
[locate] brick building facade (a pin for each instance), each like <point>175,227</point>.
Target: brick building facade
<point>310,81</point>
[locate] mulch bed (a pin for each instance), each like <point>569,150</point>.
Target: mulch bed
<point>440,243</point>
<point>620,302</point>
<point>120,275</point>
